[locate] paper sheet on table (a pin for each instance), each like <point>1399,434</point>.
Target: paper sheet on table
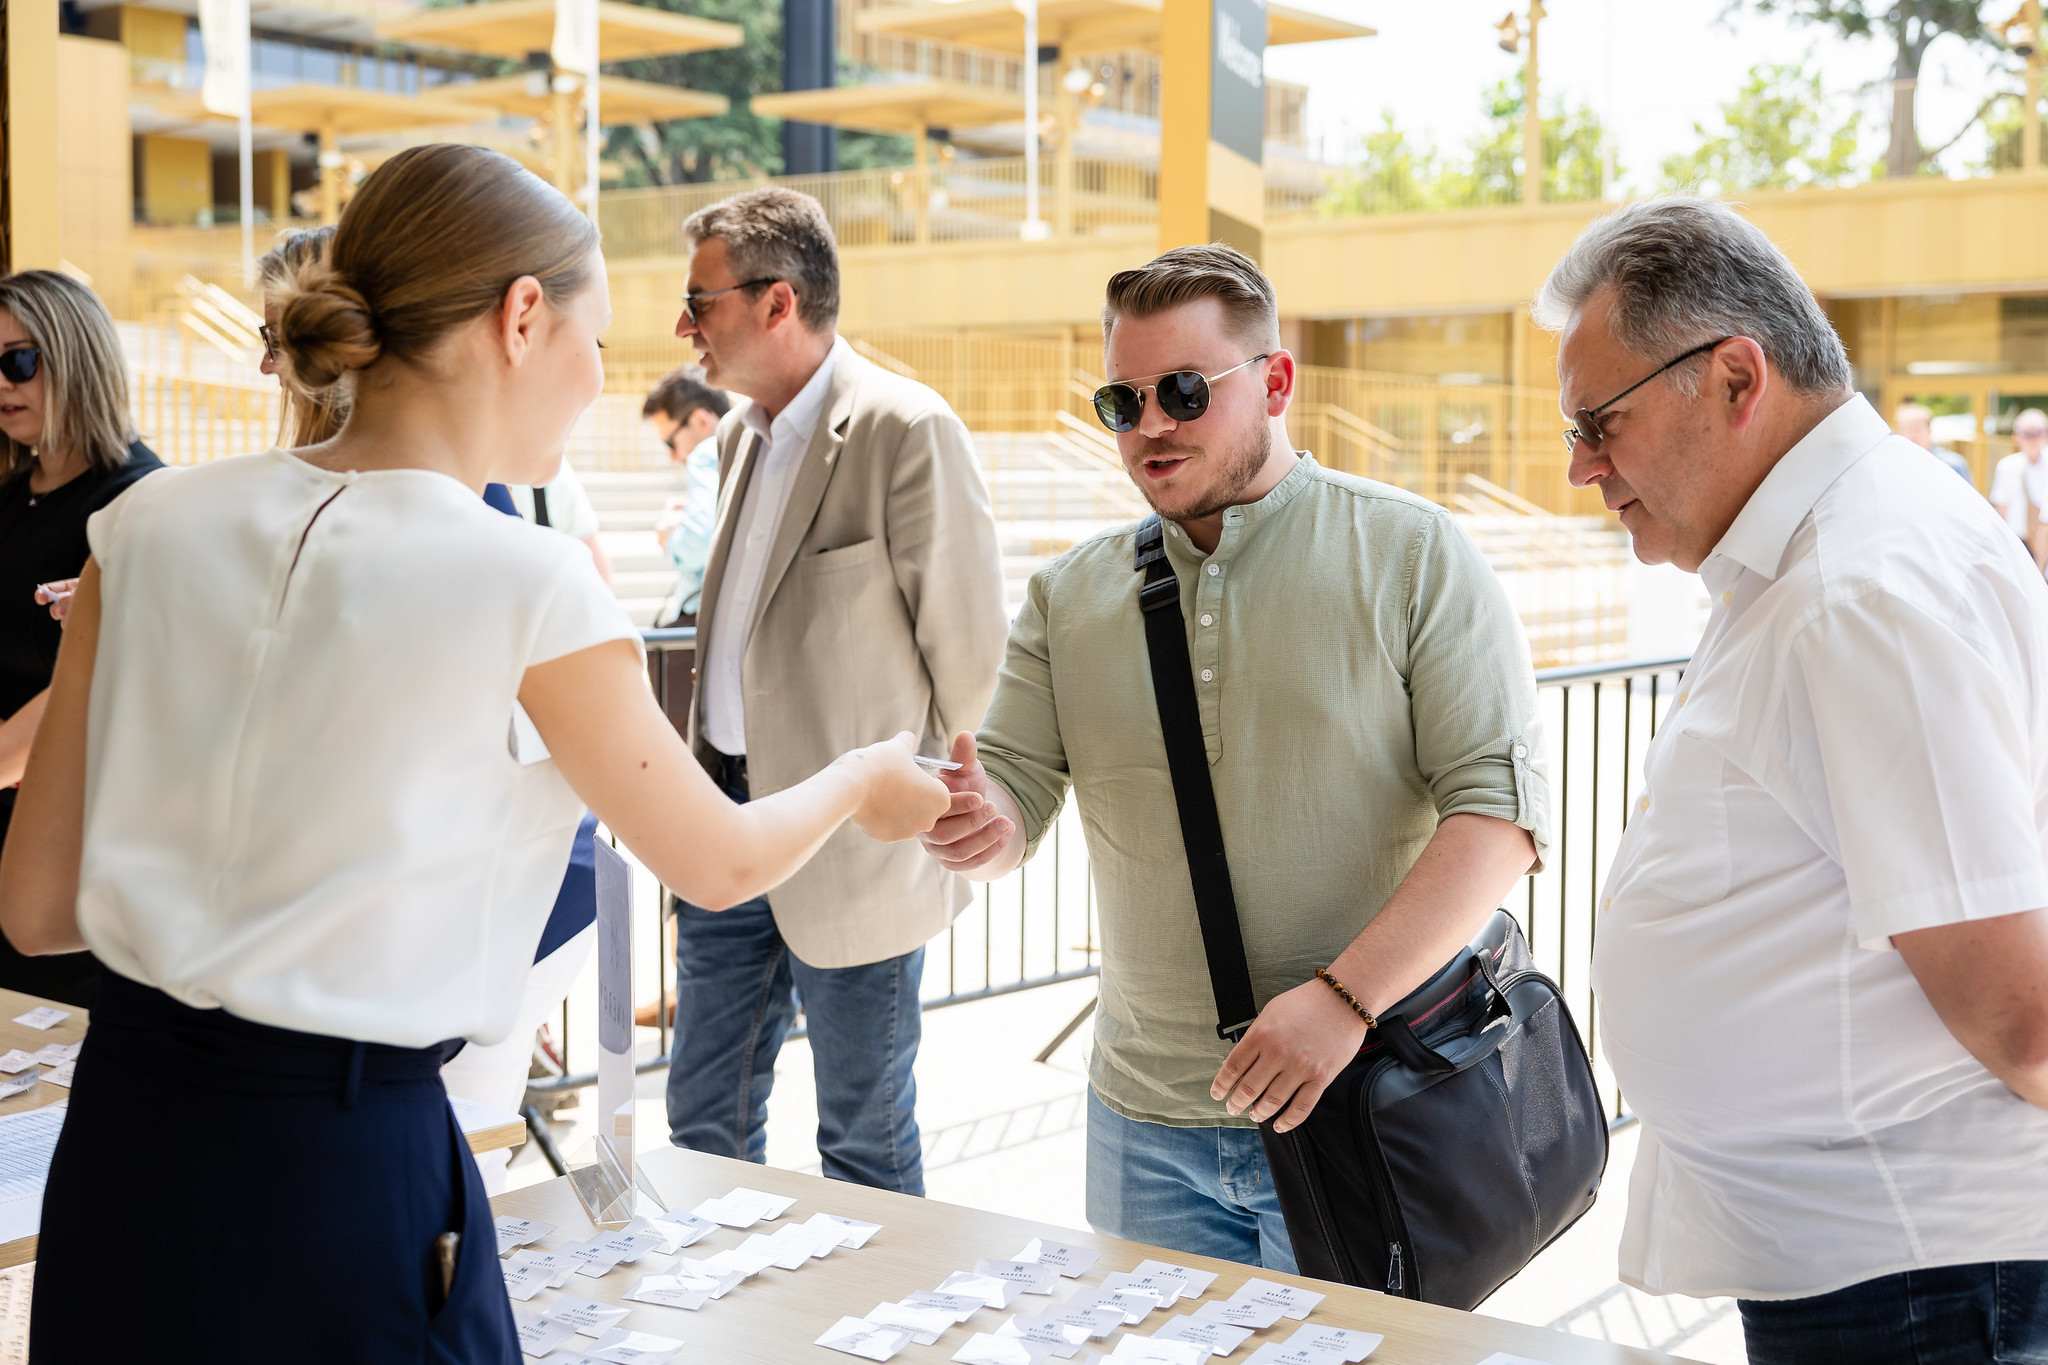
<point>26,1143</point>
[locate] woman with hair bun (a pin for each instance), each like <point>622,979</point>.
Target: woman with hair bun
<point>309,418</point>
<point>341,715</point>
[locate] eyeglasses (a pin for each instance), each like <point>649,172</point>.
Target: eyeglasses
<point>269,339</point>
<point>1586,421</point>
<point>690,301</point>
<point>19,365</point>
<point>1183,395</point>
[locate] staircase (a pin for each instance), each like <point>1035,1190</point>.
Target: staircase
<point>627,505</point>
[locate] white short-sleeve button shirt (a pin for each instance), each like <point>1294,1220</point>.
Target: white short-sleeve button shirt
<point>1859,748</point>
<point>304,799</point>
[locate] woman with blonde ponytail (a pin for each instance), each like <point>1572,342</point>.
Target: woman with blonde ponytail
<point>320,733</point>
<point>308,418</point>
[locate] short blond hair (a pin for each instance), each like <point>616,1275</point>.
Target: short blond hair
<point>1188,273</point>
<point>85,378</point>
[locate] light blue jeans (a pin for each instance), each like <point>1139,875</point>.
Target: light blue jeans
<point>1201,1191</point>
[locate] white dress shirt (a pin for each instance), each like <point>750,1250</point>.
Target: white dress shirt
<point>1859,748</point>
<point>2016,482</point>
<point>304,797</point>
<point>783,443</point>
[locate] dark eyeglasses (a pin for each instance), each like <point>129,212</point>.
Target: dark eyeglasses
<point>690,301</point>
<point>269,340</point>
<point>19,365</point>
<point>1183,395</point>
<point>1586,421</point>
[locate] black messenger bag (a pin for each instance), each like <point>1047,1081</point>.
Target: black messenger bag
<point>1467,1133</point>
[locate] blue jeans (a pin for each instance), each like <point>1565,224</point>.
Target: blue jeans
<point>1201,1191</point>
<point>1993,1312</point>
<point>737,987</point>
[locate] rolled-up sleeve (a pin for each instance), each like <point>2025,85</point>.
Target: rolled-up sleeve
<point>1478,734</point>
<point>1020,740</point>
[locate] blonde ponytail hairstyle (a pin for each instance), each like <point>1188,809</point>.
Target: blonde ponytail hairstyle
<point>432,240</point>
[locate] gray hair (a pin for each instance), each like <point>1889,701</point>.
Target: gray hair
<point>85,377</point>
<point>776,234</point>
<point>1685,271</point>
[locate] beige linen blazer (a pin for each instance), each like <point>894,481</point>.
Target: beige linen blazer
<point>881,611</point>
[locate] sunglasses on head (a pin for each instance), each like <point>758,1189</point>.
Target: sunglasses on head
<point>690,301</point>
<point>19,365</point>
<point>1586,421</point>
<point>1183,395</point>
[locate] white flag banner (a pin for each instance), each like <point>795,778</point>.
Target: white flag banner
<point>225,26</point>
<point>575,46</point>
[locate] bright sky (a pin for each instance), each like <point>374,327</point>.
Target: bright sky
<point>1653,67</point>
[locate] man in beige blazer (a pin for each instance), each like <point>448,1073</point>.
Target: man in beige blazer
<point>853,591</point>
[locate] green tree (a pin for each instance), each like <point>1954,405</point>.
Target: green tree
<point>1911,26</point>
<point>1388,173</point>
<point>1775,134</point>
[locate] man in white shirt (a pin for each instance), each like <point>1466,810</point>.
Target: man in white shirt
<point>1915,422</point>
<point>2019,486</point>
<point>1822,960</point>
<point>853,587</point>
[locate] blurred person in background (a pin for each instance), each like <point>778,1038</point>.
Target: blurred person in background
<point>2019,487</point>
<point>70,448</point>
<point>1915,422</point>
<point>684,412</point>
<point>309,418</point>
<point>561,504</point>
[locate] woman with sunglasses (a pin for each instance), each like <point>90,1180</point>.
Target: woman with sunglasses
<point>68,448</point>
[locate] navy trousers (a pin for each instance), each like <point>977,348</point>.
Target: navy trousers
<point>1992,1313</point>
<point>303,1178</point>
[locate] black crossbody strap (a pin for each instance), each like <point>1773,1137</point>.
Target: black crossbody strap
<point>1187,758</point>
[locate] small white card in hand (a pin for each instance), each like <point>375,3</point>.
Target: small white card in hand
<point>1065,1339</point>
<point>588,1316</point>
<point>1100,1322</point>
<point>986,1348</point>
<point>1220,1337</point>
<point>853,1234</point>
<point>1199,1279</point>
<point>522,1282</point>
<point>42,1016</point>
<point>859,1337</point>
<point>1160,1349</point>
<point>1255,1315</point>
<point>1071,1261</point>
<point>990,1289</point>
<point>1273,1353</point>
<point>1292,1303</point>
<point>1347,1342</point>
<point>538,1333</point>
<point>621,1347</point>
<point>517,1232</point>
<point>960,1306</point>
<point>556,1266</point>
<point>1135,1307</point>
<point>925,1325</point>
<point>670,1291</point>
<point>1030,1276</point>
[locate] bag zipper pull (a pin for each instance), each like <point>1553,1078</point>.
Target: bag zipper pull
<point>1395,1277</point>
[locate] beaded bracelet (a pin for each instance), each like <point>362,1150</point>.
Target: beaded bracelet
<point>1349,999</point>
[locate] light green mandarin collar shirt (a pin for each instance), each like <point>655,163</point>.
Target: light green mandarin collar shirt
<point>1361,676</point>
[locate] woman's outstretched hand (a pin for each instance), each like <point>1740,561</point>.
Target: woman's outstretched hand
<point>902,800</point>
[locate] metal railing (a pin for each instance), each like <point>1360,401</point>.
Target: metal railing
<point>1037,927</point>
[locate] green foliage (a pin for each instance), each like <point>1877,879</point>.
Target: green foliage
<point>2004,124</point>
<point>1392,172</point>
<point>1775,134</point>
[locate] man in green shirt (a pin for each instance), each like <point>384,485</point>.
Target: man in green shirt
<point>1370,713</point>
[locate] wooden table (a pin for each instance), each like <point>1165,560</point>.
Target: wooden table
<point>774,1318</point>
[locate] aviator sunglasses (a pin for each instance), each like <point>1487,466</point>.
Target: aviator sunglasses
<point>1586,421</point>
<point>1183,396</point>
<point>18,366</point>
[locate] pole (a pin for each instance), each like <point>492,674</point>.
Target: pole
<point>590,112</point>
<point>248,204</point>
<point>330,175</point>
<point>1033,230</point>
<point>2030,120</point>
<point>921,181</point>
<point>1532,117</point>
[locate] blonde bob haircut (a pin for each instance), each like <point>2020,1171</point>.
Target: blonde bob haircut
<point>431,241</point>
<point>308,418</point>
<point>85,378</point>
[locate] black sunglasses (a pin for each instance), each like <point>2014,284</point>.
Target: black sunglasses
<point>690,301</point>
<point>19,365</point>
<point>1586,421</point>
<point>269,340</point>
<point>1183,396</point>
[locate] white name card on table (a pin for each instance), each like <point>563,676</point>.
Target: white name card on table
<point>670,1291</point>
<point>990,1289</point>
<point>853,1234</point>
<point>986,1348</point>
<point>1029,1276</point>
<point>615,1003</point>
<point>1503,1358</point>
<point>42,1017</point>
<point>1200,1279</point>
<point>589,1317</point>
<point>1273,1353</point>
<point>1219,1337</point>
<point>859,1337</point>
<point>1165,1288</point>
<point>538,1333</point>
<point>1258,1316</point>
<point>1347,1342</point>
<point>621,1347</point>
<point>1131,1348</point>
<point>1071,1261</point>
<point>517,1232</point>
<point>1292,1302</point>
<point>960,1306</point>
<point>925,1325</point>
<point>1064,1340</point>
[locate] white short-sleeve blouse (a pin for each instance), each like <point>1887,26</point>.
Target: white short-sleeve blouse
<point>304,800</point>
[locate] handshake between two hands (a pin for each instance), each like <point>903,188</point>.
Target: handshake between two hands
<point>946,803</point>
